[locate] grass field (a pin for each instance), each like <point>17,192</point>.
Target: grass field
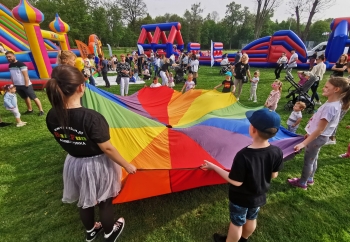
<point>31,186</point>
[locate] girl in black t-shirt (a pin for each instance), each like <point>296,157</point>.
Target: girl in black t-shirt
<point>84,135</point>
<point>339,67</point>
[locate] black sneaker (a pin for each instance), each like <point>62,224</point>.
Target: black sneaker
<point>90,236</point>
<point>117,230</point>
<point>28,112</point>
<point>219,238</point>
<point>41,113</point>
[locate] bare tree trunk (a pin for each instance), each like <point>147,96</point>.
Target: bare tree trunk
<point>297,14</point>
<point>257,20</point>
<point>305,33</point>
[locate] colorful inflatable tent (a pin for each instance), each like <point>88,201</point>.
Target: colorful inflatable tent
<point>20,32</point>
<point>338,39</point>
<point>167,43</point>
<point>167,135</point>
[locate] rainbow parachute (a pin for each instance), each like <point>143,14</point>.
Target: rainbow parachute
<point>167,135</point>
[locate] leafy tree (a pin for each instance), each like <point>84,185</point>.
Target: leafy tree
<point>264,9</point>
<point>132,10</point>
<point>233,17</point>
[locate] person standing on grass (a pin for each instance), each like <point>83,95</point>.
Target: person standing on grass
<point>24,87</point>
<point>274,96</point>
<point>189,84</point>
<point>320,127</point>
<point>249,179</point>
<point>340,66</point>
<point>343,112</point>
<point>282,61</point>
<point>227,83</point>
<point>194,68</point>
<point>123,69</point>
<point>84,134</point>
<point>104,70</point>
<point>318,71</point>
<point>10,103</point>
<point>292,63</point>
<point>241,72</point>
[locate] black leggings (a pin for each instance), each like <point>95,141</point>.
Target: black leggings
<point>314,91</point>
<point>87,216</point>
<point>278,70</point>
<point>105,78</point>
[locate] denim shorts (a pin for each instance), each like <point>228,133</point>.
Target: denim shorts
<point>239,215</point>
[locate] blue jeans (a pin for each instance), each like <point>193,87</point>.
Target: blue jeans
<point>239,215</point>
<point>155,70</point>
<point>92,80</point>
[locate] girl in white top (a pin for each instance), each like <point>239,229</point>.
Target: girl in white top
<point>171,80</point>
<point>155,83</point>
<point>292,63</point>
<point>321,127</point>
<point>254,85</point>
<point>189,84</point>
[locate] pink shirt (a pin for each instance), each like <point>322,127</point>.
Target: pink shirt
<point>273,99</point>
<point>302,79</point>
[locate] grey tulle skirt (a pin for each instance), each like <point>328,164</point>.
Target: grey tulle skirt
<point>90,180</point>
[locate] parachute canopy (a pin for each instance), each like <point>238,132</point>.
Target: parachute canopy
<point>167,135</point>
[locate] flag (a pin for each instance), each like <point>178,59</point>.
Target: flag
<point>110,50</point>
<point>83,49</point>
<point>212,54</point>
<point>141,51</point>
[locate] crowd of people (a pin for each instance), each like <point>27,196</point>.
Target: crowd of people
<point>253,168</point>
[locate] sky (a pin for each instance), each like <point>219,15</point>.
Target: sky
<point>341,8</point>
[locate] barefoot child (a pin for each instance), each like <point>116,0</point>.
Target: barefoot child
<point>295,117</point>
<point>252,170</point>
<point>10,102</point>
<point>227,83</point>
<point>189,84</point>
<point>320,127</point>
<point>275,95</point>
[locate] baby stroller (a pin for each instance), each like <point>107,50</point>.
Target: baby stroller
<point>179,74</point>
<point>225,66</point>
<point>299,93</point>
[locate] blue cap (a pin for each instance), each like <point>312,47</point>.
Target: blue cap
<point>263,119</point>
<point>228,73</point>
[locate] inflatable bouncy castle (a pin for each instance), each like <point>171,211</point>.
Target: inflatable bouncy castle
<point>205,56</point>
<point>151,42</point>
<point>264,52</point>
<point>20,33</point>
<point>338,41</point>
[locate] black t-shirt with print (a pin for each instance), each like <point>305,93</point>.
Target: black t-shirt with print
<point>227,86</point>
<point>165,67</point>
<point>339,73</point>
<point>86,128</point>
<point>254,167</point>
<point>241,70</point>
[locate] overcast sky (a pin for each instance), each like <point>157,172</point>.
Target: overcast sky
<point>159,7</point>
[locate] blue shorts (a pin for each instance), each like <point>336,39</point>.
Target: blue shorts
<point>239,215</point>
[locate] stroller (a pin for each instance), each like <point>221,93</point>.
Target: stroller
<point>179,75</point>
<point>299,93</point>
<point>225,66</point>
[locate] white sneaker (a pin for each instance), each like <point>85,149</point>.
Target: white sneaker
<point>331,142</point>
<point>23,122</point>
<point>255,101</point>
<point>237,99</point>
<point>318,103</point>
<point>249,99</point>
<point>20,124</point>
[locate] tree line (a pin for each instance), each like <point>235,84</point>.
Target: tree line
<point>118,22</point>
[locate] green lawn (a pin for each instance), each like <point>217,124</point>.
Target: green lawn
<point>31,186</point>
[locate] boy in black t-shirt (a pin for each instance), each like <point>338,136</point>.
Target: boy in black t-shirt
<point>227,83</point>
<point>252,170</point>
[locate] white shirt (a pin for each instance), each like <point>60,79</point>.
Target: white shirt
<point>189,85</point>
<point>224,62</point>
<point>329,111</point>
<point>194,65</point>
<point>319,70</point>
<point>154,85</point>
<point>292,61</point>
<point>255,83</point>
<point>114,59</point>
<point>294,116</point>
<point>282,60</point>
